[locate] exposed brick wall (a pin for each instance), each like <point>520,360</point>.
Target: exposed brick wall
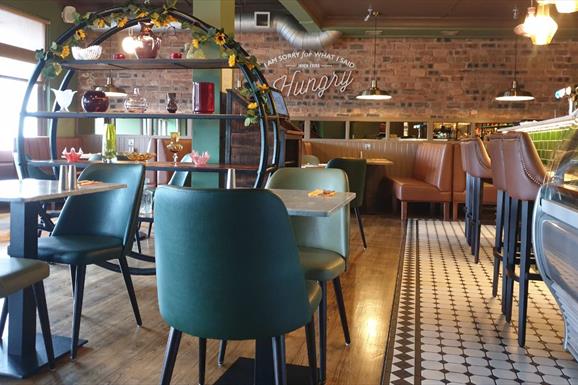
<point>438,79</point>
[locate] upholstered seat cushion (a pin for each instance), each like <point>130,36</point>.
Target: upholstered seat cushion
<point>321,264</point>
<point>313,294</point>
<point>411,189</point>
<point>79,249</point>
<point>490,195</point>
<point>18,273</point>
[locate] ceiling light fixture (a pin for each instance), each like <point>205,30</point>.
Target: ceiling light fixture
<point>111,90</point>
<point>373,92</point>
<point>539,26</point>
<point>562,6</point>
<point>515,93</point>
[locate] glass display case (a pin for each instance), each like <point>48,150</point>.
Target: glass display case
<point>556,231</point>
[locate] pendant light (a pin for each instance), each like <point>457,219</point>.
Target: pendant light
<point>515,93</point>
<point>373,92</point>
<point>566,6</point>
<point>544,27</point>
<point>111,90</point>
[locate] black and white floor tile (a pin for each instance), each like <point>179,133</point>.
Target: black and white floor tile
<point>448,328</point>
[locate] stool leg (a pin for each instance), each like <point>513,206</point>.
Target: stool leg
<point>511,263</point>
<point>341,307</point>
<point>40,298</point>
<point>506,248</point>
<point>222,351</point>
<point>279,364</point>
<point>202,360</point>
<point>479,198</point>
<point>171,352</point>
<point>323,332</point>
<point>498,241</point>
<point>525,246</point>
<point>467,208</point>
<point>77,308</point>
<point>358,215</point>
<point>3,317</point>
<point>311,351</point>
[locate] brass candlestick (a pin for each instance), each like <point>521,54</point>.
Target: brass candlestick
<point>175,146</point>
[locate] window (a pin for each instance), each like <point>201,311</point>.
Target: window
<point>16,66</point>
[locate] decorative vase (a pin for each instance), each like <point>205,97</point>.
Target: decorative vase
<point>63,98</point>
<point>94,101</point>
<point>147,42</point>
<point>135,102</point>
<point>172,102</point>
<point>203,97</point>
<point>109,141</point>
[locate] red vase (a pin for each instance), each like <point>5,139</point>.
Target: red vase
<point>203,97</point>
<point>94,101</point>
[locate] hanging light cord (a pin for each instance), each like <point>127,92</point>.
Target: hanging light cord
<point>374,44</point>
<point>516,59</point>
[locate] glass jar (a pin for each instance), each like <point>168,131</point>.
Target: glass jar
<point>109,141</point>
<point>135,102</point>
<point>146,203</point>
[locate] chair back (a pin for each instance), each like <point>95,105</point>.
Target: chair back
<point>496,152</point>
<point>231,271</point>
<point>433,164</point>
<point>356,170</point>
<point>179,178</point>
<point>525,172</point>
<point>478,162</point>
<point>330,233</point>
<point>112,213</point>
<point>310,159</point>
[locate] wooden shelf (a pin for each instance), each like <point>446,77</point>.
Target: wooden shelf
<point>155,166</point>
<point>144,64</point>
<point>129,115</point>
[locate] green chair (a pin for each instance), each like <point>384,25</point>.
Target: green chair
<point>355,169</point>
<point>95,228</point>
<point>323,242</point>
<point>17,274</point>
<point>310,159</point>
<point>230,272</point>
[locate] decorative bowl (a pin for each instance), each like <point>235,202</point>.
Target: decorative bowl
<point>200,159</point>
<point>139,156</point>
<point>90,53</point>
<point>94,101</point>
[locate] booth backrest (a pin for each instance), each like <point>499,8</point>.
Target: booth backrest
<point>38,147</point>
<point>433,162</point>
<point>459,179</point>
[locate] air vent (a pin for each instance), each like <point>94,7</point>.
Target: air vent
<point>262,19</point>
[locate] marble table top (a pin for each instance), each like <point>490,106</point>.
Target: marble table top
<point>35,190</point>
<point>298,203</point>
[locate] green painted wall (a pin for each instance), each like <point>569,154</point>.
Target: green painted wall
<point>547,142</point>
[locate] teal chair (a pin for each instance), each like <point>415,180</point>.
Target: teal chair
<point>323,242</point>
<point>17,274</point>
<point>356,169</point>
<point>95,228</point>
<point>310,159</point>
<point>231,271</point>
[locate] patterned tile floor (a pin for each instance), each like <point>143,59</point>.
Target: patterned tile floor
<point>449,329</point>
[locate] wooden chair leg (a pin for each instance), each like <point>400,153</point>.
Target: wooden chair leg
<point>323,333</point>
<point>446,211</point>
<point>202,360</point>
<point>130,288</point>
<point>279,364</point>
<point>77,308</point>
<point>222,351</point>
<point>525,246</point>
<point>403,211</point>
<point>455,208</point>
<point>311,351</point>
<point>341,307</point>
<point>171,352</point>
<point>40,298</point>
<point>3,317</point>
<point>358,215</point>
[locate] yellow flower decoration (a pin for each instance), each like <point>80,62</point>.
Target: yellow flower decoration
<point>122,22</point>
<point>232,60</point>
<point>100,23</point>
<point>142,14</point>
<point>65,52</point>
<point>169,19</point>
<point>263,88</point>
<point>195,43</point>
<point>80,34</point>
<point>252,106</point>
<point>220,39</point>
<point>157,22</point>
<point>250,66</point>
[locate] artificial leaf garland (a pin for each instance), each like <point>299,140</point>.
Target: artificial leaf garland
<point>160,17</point>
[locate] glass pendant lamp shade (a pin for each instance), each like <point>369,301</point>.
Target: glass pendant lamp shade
<point>111,90</point>
<point>544,27</point>
<point>566,6</point>
<point>515,94</point>
<point>529,25</point>
<point>373,93</point>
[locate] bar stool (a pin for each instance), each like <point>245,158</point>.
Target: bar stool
<point>496,151</point>
<point>524,176</point>
<point>478,168</point>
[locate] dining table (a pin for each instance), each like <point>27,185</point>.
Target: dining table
<point>247,371</point>
<point>24,354</point>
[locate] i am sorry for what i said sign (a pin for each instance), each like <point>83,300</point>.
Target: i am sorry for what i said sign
<point>310,72</point>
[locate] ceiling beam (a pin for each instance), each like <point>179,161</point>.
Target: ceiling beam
<point>302,15</point>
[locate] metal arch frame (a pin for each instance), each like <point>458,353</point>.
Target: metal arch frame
<point>250,74</point>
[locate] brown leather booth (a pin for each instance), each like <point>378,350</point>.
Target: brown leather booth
<point>459,185</point>
<point>431,179</point>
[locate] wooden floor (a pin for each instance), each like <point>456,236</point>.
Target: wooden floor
<point>118,352</point>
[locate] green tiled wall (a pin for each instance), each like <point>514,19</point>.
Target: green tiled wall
<point>547,142</point>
